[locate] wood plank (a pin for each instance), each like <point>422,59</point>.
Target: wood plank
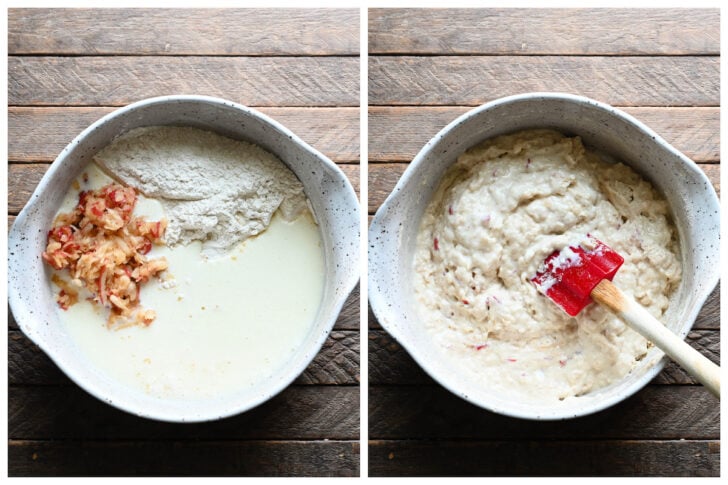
<point>397,134</point>
<point>23,178</point>
<point>382,179</point>
<point>39,134</point>
<point>709,316</point>
<point>22,181</point>
<point>384,176</point>
<point>391,365</point>
<point>432,412</point>
<point>184,458</point>
<point>544,458</point>
<point>336,364</point>
<point>348,318</point>
<point>298,412</point>
<point>311,32</point>
<point>353,173</point>
<point>120,80</point>
<point>473,80</point>
<point>544,31</point>
<point>707,342</point>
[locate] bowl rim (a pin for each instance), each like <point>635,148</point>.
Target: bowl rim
<point>378,299</point>
<point>347,280</point>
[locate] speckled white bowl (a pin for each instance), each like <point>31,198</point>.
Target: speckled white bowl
<point>392,233</point>
<point>332,197</point>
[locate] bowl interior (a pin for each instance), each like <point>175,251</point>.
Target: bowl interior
<point>393,232</point>
<point>332,198</point>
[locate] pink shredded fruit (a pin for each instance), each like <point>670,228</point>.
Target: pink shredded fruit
<point>102,246</point>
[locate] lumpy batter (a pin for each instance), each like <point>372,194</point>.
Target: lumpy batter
<point>500,210</point>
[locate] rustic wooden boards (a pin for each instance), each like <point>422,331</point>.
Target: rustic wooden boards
<point>192,31</point>
<point>69,67</point>
<point>428,66</point>
<point>544,31</point>
<point>620,81</point>
<point>187,457</point>
<point>577,458</point>
<point>120,80</point>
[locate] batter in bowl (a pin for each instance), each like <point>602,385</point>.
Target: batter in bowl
<point>243,273</point>
<point>500,210</point>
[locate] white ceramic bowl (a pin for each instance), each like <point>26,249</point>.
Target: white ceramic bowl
<point>693,201</point>
<point>332,197</point>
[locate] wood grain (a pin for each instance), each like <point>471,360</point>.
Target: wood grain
<point>397,134</point>
<point>473,80</point>
<point>429,412</point>
<point>174,32</point>
<point>301,412</point>
<point>39,134</point>
<point>709,316</point>
<point>336,364</point>
<point>115,81</point>
<point>391,365</point>
<point>348,318</point>
<point>515,31</point>
<point>183,458</point>
<point>23,178</point>
<point>384,176</point>
<point>705,342</point>
<point>544,458</point>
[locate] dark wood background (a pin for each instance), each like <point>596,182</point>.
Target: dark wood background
<point>426,67</point>
<point>67,68</point>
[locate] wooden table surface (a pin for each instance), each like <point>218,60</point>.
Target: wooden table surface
<point>426,67</point>
<point>66,69</point>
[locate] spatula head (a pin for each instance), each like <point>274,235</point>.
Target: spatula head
<point>569,276</point>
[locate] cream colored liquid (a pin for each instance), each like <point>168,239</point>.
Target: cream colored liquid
<point>222,325</point>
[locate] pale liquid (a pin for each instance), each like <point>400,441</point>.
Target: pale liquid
<point>225,324</point>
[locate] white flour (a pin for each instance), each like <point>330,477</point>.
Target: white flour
<point>213,189</point>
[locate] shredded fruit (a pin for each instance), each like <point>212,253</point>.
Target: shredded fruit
<point>103,247</point>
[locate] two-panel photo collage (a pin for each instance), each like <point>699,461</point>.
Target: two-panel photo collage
<point>363,242</point>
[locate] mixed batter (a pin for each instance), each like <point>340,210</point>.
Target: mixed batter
<point>500,210</point>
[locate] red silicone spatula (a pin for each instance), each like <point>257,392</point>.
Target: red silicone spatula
<point>580,274</point>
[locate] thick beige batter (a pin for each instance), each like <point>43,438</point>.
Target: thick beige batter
<point>499,212</point>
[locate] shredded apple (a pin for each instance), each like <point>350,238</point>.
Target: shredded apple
<point>103,247</point>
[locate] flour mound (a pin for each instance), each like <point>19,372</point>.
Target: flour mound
<point>213,189</point>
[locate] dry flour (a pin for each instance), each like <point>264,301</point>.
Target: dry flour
<point>213,189</point>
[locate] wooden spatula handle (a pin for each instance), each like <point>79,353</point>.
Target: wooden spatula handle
<point>640,320</point>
